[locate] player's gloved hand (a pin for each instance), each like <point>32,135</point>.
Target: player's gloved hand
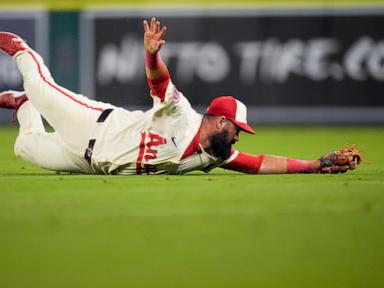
<point>340,161</point>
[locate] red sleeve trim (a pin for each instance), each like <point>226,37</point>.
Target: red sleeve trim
<point>159,86</point>
<point>246,163</point>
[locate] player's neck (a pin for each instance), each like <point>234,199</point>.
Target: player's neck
<point>205,132</point>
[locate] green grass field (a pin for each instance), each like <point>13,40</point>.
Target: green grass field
<point>221,229</point>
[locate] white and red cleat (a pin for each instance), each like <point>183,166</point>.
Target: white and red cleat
<point>11,43</point>
<point>12,99</point>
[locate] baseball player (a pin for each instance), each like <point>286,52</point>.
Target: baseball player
<point>170,138</point>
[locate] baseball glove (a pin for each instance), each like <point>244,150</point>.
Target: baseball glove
<point>340,161</point>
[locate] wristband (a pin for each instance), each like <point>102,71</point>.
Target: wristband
<point>153,61</point>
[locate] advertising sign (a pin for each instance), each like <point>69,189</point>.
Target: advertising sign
<point>283,63</point>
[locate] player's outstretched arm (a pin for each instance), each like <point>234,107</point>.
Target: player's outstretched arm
<point>339,161</point>
<point>270,164</point>
<point>153,41</point>
<point>156,71</point>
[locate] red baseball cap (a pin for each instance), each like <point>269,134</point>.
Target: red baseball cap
<point>231,108</point>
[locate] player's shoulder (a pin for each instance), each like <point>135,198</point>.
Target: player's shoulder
<point>175,98</point>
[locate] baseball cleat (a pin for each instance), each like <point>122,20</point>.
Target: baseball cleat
<point>12,99</point>
<point>11,43</point>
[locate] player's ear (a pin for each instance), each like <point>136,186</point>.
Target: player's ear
<point>221,122</point>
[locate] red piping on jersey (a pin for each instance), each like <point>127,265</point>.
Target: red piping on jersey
<point>193,146</point>
<point>58,88</point>
<point>141,154</point>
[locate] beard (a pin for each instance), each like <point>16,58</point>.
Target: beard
<point>220,145</point>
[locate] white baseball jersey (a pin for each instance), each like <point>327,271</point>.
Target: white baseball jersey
<point>125,142</point>
<point>150,142</point>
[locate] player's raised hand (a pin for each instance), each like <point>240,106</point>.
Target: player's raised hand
<point>153,35</point>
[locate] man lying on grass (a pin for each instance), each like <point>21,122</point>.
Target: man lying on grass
<point>171,138</point>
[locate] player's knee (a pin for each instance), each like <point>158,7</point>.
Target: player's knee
<point>18,148</point>
<point>25,146</point>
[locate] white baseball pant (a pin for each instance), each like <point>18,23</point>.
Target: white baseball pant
<point>72,116</point>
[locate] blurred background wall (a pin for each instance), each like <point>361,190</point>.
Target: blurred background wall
<point>289,61</point>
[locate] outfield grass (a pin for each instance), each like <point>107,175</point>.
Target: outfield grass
<point>222,229</point>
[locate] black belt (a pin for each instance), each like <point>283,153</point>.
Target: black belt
<point>88,152</point>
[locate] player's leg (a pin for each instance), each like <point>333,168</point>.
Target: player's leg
<point>73,116</point>
<point>46,150</point>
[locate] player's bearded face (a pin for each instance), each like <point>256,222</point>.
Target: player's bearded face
<point>221,144</point>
